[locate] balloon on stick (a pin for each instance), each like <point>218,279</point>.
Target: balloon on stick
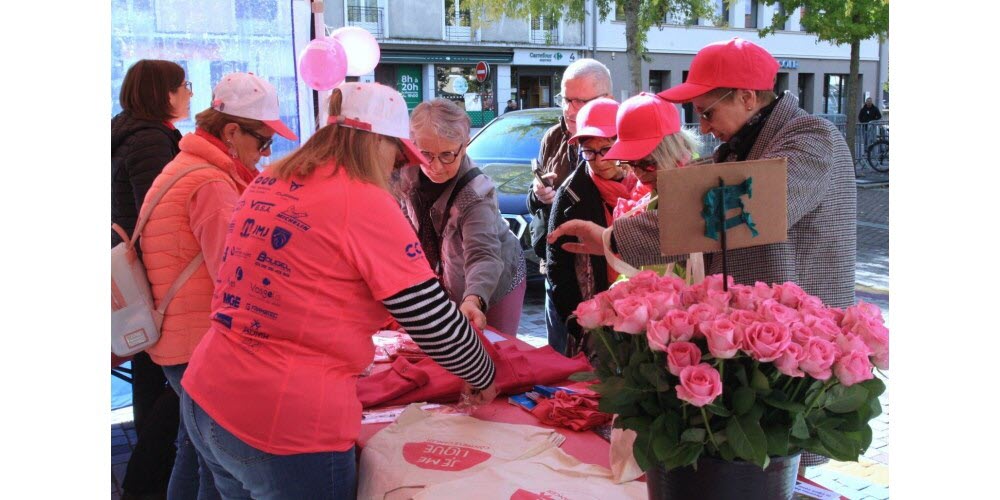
<point>362,47</point>
<point>323,64</point>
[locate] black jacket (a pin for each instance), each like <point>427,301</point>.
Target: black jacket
<point>555,155</point>
<point>869,113</point>
<point>577,198</point>
<point>139,151</point>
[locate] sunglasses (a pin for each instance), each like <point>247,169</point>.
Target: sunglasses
<point>590,154</point>
<point>446,157</point>
<point>645,164</point>
<point>706,114</point>
<point>263,142</point>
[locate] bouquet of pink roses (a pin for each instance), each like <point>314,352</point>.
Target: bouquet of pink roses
<point>749,373</point>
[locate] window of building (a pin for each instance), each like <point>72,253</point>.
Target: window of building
<point>658,81</point>
<point>688,108</point>
<point>366,14</point>
<point>458,83</point>
<point>835,92</point>
<point>750,13</point>
<point>457,20</point>
<point>544,30</point>
<point>802,15</point>
<point>780,11</point>
<point>721,13</point>
<point>208,46</point>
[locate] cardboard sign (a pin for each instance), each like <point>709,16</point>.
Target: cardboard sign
<point>682,200</point>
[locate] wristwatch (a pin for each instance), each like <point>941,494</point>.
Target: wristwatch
<point>479,300</point>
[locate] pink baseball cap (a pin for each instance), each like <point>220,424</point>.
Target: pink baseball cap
<point>380,109</point>
<point>596,119</point>
<point>643,121</point>
<point>246,95</point>
<point>736,64</point>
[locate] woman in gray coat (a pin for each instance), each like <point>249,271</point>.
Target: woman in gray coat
<point>453,209</point>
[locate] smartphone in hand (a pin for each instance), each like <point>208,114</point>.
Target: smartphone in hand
<point>538,174</point>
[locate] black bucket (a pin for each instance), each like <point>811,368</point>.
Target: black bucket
<point>718,479</point>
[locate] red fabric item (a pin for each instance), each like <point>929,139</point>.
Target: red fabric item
<point>402,378</point>
<point>573,411</point>
<point>735,64</point>
<point>516,372</point>
<point>246,174</point>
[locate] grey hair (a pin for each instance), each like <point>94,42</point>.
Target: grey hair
<point>676,150</point>
<point>588,68</point>
<point>442,117</point>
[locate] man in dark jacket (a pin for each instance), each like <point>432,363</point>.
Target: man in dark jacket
<point>869,112</point>
<point>582,82</point>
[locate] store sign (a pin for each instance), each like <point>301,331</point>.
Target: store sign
<point>408,84</point>
<point>788,64</point>
<point>540,57</point>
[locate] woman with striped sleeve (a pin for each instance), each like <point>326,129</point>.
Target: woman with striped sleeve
<point>317,257</point>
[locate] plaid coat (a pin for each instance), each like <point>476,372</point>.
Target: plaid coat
<point>821,249</point>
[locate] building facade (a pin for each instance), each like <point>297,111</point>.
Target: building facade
<point>430,49</point>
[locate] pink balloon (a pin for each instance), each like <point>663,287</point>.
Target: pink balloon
<point>323,64</point>
<point>362,47</point>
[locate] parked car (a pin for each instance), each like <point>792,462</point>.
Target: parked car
<point>503,149</point>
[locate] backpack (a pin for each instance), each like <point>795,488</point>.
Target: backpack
<point>135,322</point>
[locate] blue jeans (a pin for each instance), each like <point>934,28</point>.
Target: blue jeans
<point>190,477</point>
<point>555,325</point>
<point>244,472</point>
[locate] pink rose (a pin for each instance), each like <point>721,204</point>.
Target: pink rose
<point>681,355</point>
<point>661,302</point>
<point>801,333</point>
<point>766,341</point>
<point>671,284</point>
<point>743,297</point>
<point>700,384</point>
<point>619,291</point>
<point>822,327</point>
<point>862,312</point>
<point>763,291</point>
<point>789,294</point>
<point>644,280</point>
<point>853,368</point>
<point>590,314</point>
<point>723,339</point>
<point>850,342</point>
<point>874,334</point>
<point>681,325</point>
<point>788,362</point>
<point>772,310</point>
<point>819,357</point>
<point>744,318</point>
<point>658,334</point>
<point>881,360</point>
<point>701,312</point>
<point>689,297</point>
<point>712,282</point>
<point>810,302</point>
<point>718,300</point>
<point>632,314</point>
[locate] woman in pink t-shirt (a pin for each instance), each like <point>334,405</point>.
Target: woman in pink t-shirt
<point>317,258</point>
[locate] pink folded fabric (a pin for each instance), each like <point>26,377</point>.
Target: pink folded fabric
<point>572,411</point>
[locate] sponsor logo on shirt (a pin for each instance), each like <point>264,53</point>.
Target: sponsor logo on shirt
<point>280,237</point>
<point>255,309</point>
<point>292,217</point>
<point>264,261</point>
<point>413,250</point>
<point>264,180</point>
<point>231,300</point>
<point>225,319</point>
<point>252,229</point>
<point>235,251</point>
<point>239,204</point>
<point>294,186</point>
<point>253,330</point>
<point>261,206</point>
<point>443,456</point>
<point>265,293</point>
<point>239,273</point>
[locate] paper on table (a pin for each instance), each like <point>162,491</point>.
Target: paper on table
<point>391,413</point>
<point>808,491</point>
<point>492,336</point>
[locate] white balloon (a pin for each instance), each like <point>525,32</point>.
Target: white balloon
<point>362,49</point>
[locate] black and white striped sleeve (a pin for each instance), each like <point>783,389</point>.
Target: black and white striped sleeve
<point>441,331</point>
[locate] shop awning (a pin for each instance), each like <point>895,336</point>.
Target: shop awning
<point>426,57</point>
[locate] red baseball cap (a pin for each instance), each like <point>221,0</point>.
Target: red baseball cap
<point>643,121</point>
<point>596,119</point>
<point>736,64</point>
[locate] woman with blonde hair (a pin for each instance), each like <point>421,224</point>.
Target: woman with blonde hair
<point>318,258</point>
<point>453,208</point>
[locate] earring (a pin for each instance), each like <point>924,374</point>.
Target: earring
<point>232,149</point>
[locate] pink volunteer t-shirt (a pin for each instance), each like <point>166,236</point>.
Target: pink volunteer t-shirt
<point>297,299</point>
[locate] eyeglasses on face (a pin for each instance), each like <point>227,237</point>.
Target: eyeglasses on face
<point>590,154</point>
<point>445,157</point>
<point>573,102</point>
<point>263,142</point>
<point>645,164</point>
<point>706,114</point>
<point>188,85</point>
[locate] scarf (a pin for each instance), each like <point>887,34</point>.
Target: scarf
<point>742,142</point>
<point>246,174</point>
<point>427,193</point>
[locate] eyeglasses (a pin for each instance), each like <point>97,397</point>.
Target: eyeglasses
<point>706,113</point>
<point>446,157</point>
<point>590,154</point>
<point>574,103</point>
<point>188,85</point>
<point>263,142</point>
<point>645,164</point>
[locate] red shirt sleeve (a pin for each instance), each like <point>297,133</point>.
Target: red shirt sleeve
<point>381,242</point>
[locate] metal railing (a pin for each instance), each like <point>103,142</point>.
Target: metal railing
<point>369,18</point>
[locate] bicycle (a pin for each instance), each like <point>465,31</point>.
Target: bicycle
<point>878,151</point>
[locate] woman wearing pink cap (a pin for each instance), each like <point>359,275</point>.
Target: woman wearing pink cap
<point>590,193</point>
<point>318,257</point>
<point>182,242</point>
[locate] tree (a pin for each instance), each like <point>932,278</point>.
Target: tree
<point>839,22</point>
<point>640,16</point>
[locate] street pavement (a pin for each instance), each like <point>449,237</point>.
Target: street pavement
<point>867,479</point>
